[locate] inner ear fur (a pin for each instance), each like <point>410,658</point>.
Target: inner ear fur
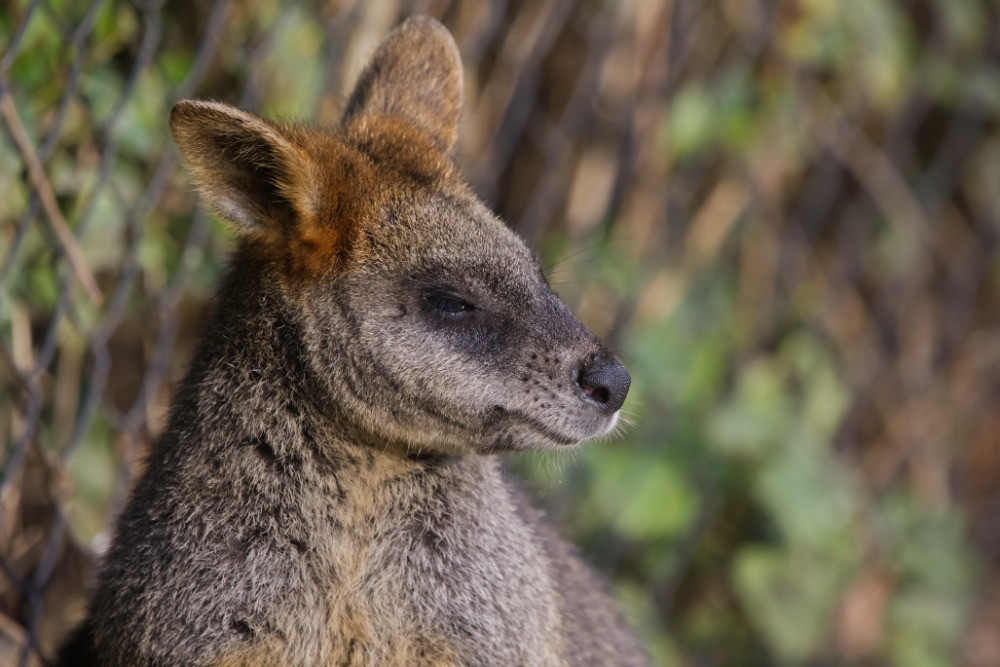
<point>416,73</point>
<point>251,172</point>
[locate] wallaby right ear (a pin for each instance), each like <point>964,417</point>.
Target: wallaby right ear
<point>248,170</point>
<point>416,73</point>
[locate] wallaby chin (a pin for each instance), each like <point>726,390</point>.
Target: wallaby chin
<point>321,494</point>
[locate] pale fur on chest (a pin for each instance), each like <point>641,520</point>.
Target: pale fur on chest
<point>419,570</point>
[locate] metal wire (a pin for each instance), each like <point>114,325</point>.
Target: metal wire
<point>555,84</point>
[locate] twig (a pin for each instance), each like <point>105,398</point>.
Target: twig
<point>876,173</point>
<point>44,189</point>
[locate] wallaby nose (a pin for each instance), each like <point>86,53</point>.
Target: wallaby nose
<point>604,380</point>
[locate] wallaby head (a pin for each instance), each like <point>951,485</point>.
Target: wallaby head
<point>426,324</point>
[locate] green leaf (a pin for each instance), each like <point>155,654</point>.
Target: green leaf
<point>810,497</point>
<point>752,423</point>
<point>688,126</point>
<point>790,598</point>
<point>924,629</point>
<point>661,504</point>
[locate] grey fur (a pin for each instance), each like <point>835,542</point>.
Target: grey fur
<point>325,492</point>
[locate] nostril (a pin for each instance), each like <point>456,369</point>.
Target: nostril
<point>605,381</point>
<point>599,394</point>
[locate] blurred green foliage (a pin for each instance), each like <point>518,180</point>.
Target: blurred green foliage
<point>727,492</point>
<point>735,530</point>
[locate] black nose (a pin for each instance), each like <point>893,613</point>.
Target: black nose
<point>605,381</point>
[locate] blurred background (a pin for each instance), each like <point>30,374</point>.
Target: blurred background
<point>782,214</point>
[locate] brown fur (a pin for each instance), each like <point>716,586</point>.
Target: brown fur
<point>325,491</point>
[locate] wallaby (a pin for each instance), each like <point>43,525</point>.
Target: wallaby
<point>326,490</point>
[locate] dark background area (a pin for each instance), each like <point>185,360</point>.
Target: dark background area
<point>783,215</point>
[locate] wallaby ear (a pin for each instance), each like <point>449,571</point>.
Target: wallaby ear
<point>416,73</point>
<point>247,169</point>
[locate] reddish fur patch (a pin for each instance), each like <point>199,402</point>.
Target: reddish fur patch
<point>407,155</point>
<point>354,174</point>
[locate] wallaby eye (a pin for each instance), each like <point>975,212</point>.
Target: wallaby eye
<point>448,304</point>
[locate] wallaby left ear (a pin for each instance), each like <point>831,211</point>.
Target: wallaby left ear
<point>416,73</point>
<point>251,172</point>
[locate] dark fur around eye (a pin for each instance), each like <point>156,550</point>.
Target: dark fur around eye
<point>448,305</point>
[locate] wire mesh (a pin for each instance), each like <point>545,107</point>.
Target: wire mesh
<point>774,209</point>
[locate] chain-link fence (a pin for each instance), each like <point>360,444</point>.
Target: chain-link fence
<point>782,213</point>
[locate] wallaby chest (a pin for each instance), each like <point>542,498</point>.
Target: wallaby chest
<point>431,568</point>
